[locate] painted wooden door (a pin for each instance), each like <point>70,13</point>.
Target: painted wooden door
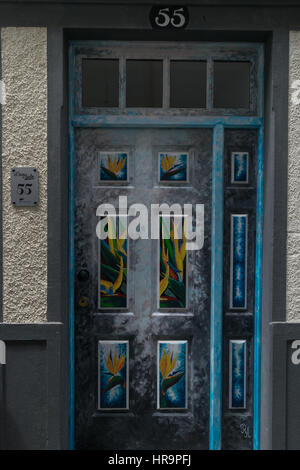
<point>167,341</point>
<point>142,307</point>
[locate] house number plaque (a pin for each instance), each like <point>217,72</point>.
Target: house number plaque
<point>24,186</point>
<point>169,17</point>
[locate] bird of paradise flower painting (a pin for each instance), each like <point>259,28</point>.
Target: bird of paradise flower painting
<point>113,268</point>
<point>173,166</point>
<point>113,166</point>
<point>172,374</point>
<point>172,284</point>
<point>113,375</point>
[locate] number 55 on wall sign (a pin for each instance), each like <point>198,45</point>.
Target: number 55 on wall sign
<point>169,17</point>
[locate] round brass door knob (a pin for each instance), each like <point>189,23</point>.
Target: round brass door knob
<point>83,302</point>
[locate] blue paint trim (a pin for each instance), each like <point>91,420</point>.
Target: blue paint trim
<point>258,291</point>
<point>258,261</point>
<point>138,120</point>
<point>71,257</point>
<point>216,289</point>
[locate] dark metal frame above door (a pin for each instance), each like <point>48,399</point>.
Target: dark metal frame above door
<point>218,120</point>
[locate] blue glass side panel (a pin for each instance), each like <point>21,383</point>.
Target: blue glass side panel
<point>239,228</point>
<point>237,374</point>
<point>239,167</point>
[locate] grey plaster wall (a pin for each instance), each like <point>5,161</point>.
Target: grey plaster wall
<point>293,219</point>
<point>24,143</point>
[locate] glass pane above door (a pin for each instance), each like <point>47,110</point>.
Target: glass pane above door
<point>100,83</point>
<point>231,84</point>
<point>189,80</point>
<point>144,83</point>
<point>187,84</point>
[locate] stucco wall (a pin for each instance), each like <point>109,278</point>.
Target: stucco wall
<point>293,223</point>
<point>24,143</point>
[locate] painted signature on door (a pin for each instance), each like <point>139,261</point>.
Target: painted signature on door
<point>245,431</point>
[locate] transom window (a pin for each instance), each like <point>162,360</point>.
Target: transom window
<point>178,79</point>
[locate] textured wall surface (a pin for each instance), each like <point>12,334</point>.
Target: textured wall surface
<point>24,117</point>
<point>293,225</point>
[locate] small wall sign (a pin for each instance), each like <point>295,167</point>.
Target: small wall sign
<point>169,17</point>
<point>24,186</point>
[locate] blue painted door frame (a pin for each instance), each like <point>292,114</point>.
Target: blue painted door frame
<point>218,124</point>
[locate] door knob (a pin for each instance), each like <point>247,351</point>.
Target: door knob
<point>83,302</point>
<point>83,275</point>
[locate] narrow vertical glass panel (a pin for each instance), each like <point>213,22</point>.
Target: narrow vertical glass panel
<point>231,84</point>
<point>239,167</point>
<point>237,374</point>
<point>144,83</point>
<point>187,84</point>
<point>238,268</point>
<point>100,83</point>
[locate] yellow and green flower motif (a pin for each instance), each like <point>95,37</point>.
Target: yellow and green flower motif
<point>173,167</point>
<point>113,270</point>
<point>113,166</point>
<point>113,374</point>
<point>170,378</point>
<point>114,366</point>
<point>172,287</point>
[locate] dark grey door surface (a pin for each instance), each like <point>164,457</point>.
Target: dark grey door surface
<point>142,306</point>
